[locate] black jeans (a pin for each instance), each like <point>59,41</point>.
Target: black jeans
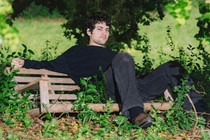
<point>124,87</point>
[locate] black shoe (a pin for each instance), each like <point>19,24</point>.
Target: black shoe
<point>143,120</point>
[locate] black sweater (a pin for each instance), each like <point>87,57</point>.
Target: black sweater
<point>78,61</point>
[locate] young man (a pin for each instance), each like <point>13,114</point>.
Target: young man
<point>122,85</point>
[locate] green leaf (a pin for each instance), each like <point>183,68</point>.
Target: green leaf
<point>24,46</point>
<point>91,91</point>
<point>83,82</point>
<point>89,98</point>
<point>48,116</point>
<point>80,94</point>
<point>120,120</point>
<point>30,51</point>
<point>91,86</point>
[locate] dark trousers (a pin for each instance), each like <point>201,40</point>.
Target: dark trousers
<point>124,87</point>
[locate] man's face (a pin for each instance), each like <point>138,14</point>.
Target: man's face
<point>99,35</point>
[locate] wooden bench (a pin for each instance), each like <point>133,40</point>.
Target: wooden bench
<point>57,92</point>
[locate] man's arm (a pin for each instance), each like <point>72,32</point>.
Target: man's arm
<point>59,64</point>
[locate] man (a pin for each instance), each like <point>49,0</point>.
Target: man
<point>122,85</point>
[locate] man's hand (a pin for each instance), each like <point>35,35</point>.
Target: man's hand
<point>17,63</point>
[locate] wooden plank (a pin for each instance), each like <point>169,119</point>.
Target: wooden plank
<point>158,106</point>
<point>64,87</point>
<point>52,87</point>
<point>67,107</point>
<point>66,80</point>
<point>27,86</point>
<point>51,79</point>
<point>21,79</point>
<point>62,96</point>
<point>39,72</point>
<point>34,87</point>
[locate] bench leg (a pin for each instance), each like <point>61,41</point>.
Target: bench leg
<point>44,94</point>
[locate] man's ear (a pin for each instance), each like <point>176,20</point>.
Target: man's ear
<point>88,32</point>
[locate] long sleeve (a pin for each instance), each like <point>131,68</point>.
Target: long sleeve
<point>59,64</point>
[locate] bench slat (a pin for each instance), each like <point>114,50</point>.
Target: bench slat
<point>39,72</point>
<point>62,96</point>
<point>54,87</point>
<point>64,87</point>
<point>22,79</point>
<point>27,86</point>
<point>25,79</point>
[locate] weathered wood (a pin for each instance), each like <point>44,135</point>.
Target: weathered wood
<point>71,97</point>
<point>52,85</point>
<point>39,72</point>
<point>67,107</point>
<point>27,86</point>
<point>167,95</point>
<point>56,80</point>
<point>64,87</point>
<point>44,92</point>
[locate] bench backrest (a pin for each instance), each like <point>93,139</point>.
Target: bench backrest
<point>27,79</point>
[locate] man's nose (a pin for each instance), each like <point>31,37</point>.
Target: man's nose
<point>105,32</point>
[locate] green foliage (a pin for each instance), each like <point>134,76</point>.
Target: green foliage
<point>176,118</point>
<point>89,93</point>
<point>35,10</point>
<point>49,52</point>
<point>205,135</point>
<point>189,56</point>
<point>108,126</point>
<point>125,17</point>
<point>204,24</point>
<point>180,10</point>
<point>50,128</point>
<point>25,53</point>
<point>142,44</point>
<point>12,136</point>
<point>8,34</point>
<point>13,106</point>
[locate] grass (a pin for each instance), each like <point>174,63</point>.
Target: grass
<point>35,32</point>
<point>182,35</point>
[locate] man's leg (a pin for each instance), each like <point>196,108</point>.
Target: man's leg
<point>167,75</point>
<point>122,75</point>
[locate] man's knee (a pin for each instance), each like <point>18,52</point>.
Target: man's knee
<point>123,57</point>
<point>175,66</point>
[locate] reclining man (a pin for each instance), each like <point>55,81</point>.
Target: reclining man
<point>122,84</point>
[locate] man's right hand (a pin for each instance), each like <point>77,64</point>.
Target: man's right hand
<point>17,63</point>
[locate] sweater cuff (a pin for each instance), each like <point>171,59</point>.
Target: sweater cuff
<point>26,63</point>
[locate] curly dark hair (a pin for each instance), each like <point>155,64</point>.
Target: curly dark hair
<point>97,17</point>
